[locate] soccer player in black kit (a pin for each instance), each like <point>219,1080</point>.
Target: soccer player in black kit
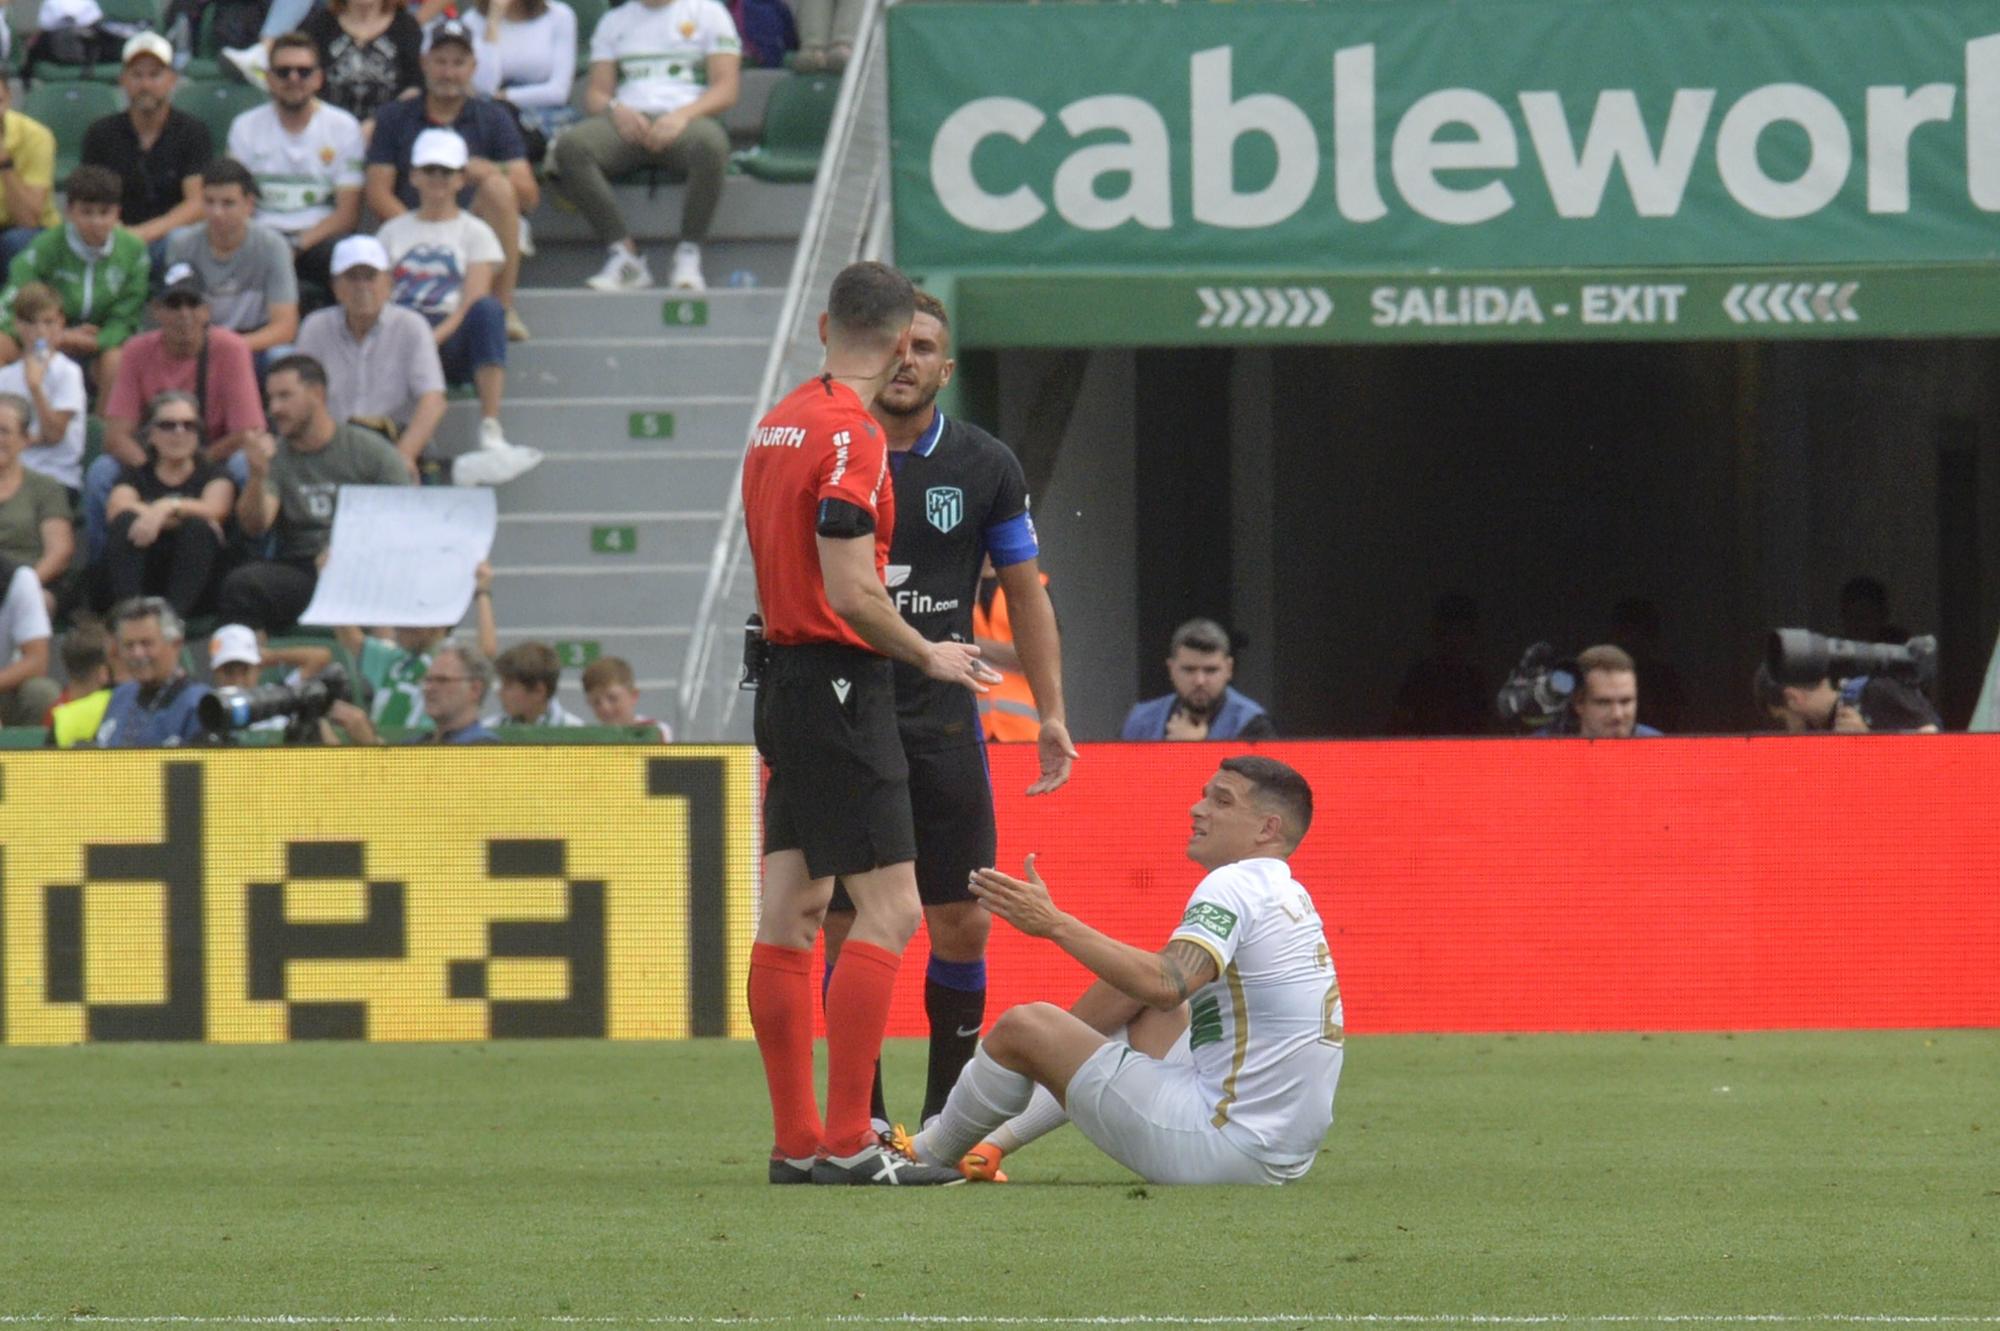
<point>960,498</point>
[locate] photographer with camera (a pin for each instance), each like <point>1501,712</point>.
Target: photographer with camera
<point>1595,696</point>
<point>157,704</point>
<point>1879,689</point>
<point>455,687</point>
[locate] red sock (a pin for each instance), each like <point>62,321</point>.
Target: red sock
<point>781,1014</point>
<point>857,1011</point>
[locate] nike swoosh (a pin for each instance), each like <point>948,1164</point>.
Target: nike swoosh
<point>964,1031</point>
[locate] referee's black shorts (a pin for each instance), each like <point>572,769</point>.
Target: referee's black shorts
<point>951,797</point>
<point>839,789</point>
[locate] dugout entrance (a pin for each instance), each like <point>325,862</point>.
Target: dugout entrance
<point>1320,498</point>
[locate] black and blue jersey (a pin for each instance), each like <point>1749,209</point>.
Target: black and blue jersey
<point>960,496</point>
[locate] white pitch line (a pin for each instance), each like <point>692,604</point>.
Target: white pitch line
<point>921,1319</point>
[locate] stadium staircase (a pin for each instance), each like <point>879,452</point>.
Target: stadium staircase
<point>641,402</point>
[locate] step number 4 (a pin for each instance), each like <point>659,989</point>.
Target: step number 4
<point>613,540</point>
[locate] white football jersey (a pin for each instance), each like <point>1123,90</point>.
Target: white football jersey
<point>1266,1034</point>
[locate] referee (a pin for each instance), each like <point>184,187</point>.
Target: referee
<point>821,513</point>
<point>963,499</point>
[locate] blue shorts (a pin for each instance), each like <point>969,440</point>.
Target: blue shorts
<point>481,340</point>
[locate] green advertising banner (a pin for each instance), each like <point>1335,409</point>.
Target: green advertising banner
<point>1446,135</point>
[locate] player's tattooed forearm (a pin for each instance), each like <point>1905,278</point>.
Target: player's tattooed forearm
<point>1174,978</point>
<point>1185,968</point>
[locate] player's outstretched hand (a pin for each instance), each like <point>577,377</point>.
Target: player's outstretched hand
<point>959,663</point>
<point>1057,753</point>
<point>1023,903</point>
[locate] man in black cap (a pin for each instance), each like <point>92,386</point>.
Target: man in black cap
<point>500,186</point>
<point>185,353</point>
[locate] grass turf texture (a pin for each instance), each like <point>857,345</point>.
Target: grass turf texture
<point>1808,1175</point>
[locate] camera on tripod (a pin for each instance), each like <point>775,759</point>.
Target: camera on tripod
<point>226,711</point>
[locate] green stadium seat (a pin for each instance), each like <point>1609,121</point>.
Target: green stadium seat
<point>587,14</point>
<point>795,125</point>
<point>144,13</point>
<point>24,737</point>
<point>217,103</point>
<point>68,110</point>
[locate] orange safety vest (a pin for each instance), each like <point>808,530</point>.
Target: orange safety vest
<point>1006,709</point>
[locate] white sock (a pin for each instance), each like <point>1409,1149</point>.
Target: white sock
<point>986,1096</point>
<point>1042,1116</point>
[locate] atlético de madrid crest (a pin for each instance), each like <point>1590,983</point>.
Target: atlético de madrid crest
<point>944,505</point>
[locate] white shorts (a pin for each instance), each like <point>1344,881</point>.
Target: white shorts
<point>1151,1117</point>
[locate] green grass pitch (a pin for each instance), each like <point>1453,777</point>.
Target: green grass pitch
<point>1679,1180</point>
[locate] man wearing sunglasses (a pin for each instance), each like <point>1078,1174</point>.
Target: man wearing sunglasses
<point>183,353</point>
<point>306,157</point>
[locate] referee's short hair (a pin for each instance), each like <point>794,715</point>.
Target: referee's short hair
<point>871,302</point>
<point>1277,789</point>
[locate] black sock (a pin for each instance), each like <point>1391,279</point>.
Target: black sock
<point>955,1002</point>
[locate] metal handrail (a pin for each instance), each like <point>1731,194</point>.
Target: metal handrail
<point>839,178</point>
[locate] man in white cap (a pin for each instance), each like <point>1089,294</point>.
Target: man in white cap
<point>444,263</point>
<point>381,361</point>
<point>499,184</point>
<point>156,149</point>
<point>235,658</point>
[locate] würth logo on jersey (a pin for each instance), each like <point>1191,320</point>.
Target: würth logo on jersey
<point>841,688</point>
<point>944,505</point>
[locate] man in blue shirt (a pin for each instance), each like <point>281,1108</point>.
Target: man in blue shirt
<point>1202,705</point>
<point>500,186</point>
<point>156,707</point>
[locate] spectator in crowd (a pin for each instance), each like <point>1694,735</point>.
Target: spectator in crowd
<point>27,178</point>
<point>182,350</point>
<point>526,52</point>
<point>1605,704</point>
<point>662,72</point>
<point>98,268</point>
<point>238,656</point>
<point>53,385</point>
<point>1202,705</point>
<point>394,667</point>
<point>529,673</point>
<point>86,658</point>
<point>499,184</point>
<point>380,360</point>
<point>1864,612</point>
<point>1853,706</point>
<point>156,149</point>
<point>454,688</point>
<point>35,530</point>
<point>826,34</point>
<point>306,156</point>
<point>444,262</point>
<point>613,693</point>
<point>156,705</point>
<point>370,50</point>
<point>26,691</point>
<point>165,517</point>
<point>1007,711</point>
<point>1445,691</point>
<point>293,490</point>
<point>245,267</point>
<point>1636,626</point>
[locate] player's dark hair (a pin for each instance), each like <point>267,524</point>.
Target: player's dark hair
<point>86,648</point>
<point>1278,788</point>
<point>94,184</point>
<point>1200,635</point>
<point>530,663</point>
<point>871,301</point>
<point>309,370</point>
<point>229,171</point>
<point>931,305</point>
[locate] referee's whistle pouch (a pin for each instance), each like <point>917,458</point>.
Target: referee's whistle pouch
<point>756,652</point>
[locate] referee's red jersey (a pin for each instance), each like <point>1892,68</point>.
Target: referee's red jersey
<point>819,443</point>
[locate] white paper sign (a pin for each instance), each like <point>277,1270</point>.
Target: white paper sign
<point>403,556</point>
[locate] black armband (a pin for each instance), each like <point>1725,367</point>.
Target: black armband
<point>842,521</point>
